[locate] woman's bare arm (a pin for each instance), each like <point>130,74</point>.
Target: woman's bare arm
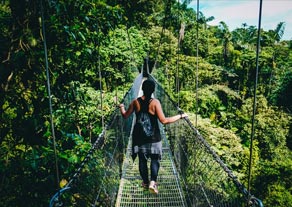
<point>126,113</point>
<point>161,116</point>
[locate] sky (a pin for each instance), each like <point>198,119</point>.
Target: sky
<point>236,12</point>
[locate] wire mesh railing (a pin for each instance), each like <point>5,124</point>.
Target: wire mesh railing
<point>206,179</point>
<point>96,181</point>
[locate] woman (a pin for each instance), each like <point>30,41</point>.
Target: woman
<point>153,147</point>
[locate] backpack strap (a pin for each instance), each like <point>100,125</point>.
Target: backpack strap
<point>144,106</point>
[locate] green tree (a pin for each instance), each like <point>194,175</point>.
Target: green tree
<point>227,145</point>
<point>141,13</point>
<point>245,37</point>
<point>282,93</point>
<point>225,37</point>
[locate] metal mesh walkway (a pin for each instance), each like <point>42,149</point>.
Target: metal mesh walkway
<point>132,194</point>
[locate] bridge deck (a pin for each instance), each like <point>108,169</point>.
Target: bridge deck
<point>132,194</point>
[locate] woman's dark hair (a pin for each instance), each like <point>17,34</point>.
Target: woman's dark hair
<point>148,88</point>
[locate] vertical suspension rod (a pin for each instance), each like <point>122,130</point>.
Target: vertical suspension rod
<point>49,93</point>
<point>255,98</point>
<point>100,86</point>
<point>197,61</point>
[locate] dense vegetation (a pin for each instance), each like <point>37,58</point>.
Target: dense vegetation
<point>94,50</point>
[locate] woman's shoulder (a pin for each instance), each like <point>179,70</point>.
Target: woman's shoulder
<point>155,100</point>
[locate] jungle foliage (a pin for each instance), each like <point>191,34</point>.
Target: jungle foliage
<point>94,50</point>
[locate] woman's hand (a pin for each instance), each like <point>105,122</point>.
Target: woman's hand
<point>126,113</point>
<point>183,115</point>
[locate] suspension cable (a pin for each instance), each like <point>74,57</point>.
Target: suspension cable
<point>158,48</point>
<point>100,86</point>
<point>176,86</point>
<point>197,62</point>
<point>49,93</point>
<point>255,96</point>
<point>177,66</point>
<point>116,101</point>
<point>131,47</point>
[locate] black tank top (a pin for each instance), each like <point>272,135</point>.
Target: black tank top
<point>144,106</point>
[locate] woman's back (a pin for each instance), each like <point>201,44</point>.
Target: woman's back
<point>143,104</point>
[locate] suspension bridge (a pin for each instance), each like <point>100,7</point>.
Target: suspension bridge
<point>191,173</point>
